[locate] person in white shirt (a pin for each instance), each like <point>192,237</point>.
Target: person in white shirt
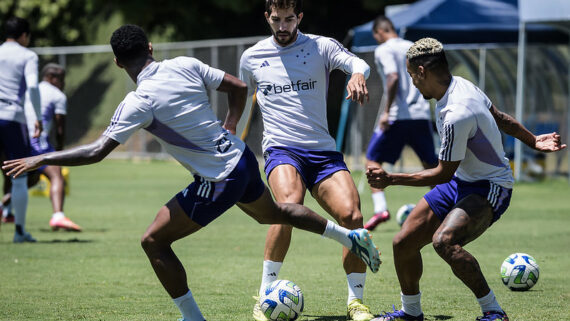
<point>289,73</point>
<point>19,67</point>
<point>473,181</point>
<point>405,119</point>
<point>54,109</point>
<point>171,102</point>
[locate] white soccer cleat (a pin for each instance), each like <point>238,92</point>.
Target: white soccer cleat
<point>364,248</point>
<point>257,313</point>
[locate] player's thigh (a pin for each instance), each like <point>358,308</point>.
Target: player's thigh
<point>466,221</point>
<point>53,172</point>
<point>171,223</point>
<point>287,184</point>
<point>263,210</point>
<point>419,226</point>
<point>338,195</point>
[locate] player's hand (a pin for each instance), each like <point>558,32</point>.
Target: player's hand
<point>549,143</point>
<point>231,129</point>
<point>384,123</point>
<point>38,127</point>
<point>15,167</point>
<point>377,177</point>
<point>356,89</point>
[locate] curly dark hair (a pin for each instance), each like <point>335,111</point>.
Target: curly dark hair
<point>284,4</point>
<point>129,44</point>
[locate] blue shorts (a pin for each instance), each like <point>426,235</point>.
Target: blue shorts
<point>14,141</point>
<point>444,197</point>
<point>41,145</point>
<point>204,201</point>
<point>313,166</point>
<point>387,146</point>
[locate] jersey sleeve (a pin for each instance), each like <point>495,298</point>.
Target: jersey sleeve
<point>131,114</point>
<point>31,78</point>
<point>386,60</point>
<point>455,132</point>
<point>211,76</point>
<point>61,105</point>
<point>246,75</point>
<point>338,57</point>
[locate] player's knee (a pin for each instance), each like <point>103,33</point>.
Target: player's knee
<point>149,243</point>
<point>351,218</point>
<point>442,244</point>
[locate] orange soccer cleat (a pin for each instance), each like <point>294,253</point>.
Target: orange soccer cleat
<point>64,223</point>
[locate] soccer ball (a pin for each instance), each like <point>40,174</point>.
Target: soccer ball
<point>282,300</point>
<point>403,213</point>
<point>519,272</point>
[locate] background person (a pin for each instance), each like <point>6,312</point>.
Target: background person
<point>19,70</point>
<point>405,119</point>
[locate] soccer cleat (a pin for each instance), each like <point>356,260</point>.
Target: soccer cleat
<point>364,248</point>
<point>398,315</point>
<point>357,311</point>
<point>25,237</point>
<point>257,313</point>
<point>64,223</point>
<point>8,218</point>
<point>376,219</point>
<point>493,315</point>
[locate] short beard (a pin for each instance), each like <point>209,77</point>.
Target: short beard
<point>287,42</point>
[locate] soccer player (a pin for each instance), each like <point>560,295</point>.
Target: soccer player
<point>19,70</point>
<point>290,71</point>
<point>54,109</point>
<point>473,181</point>
<point>171,102</point>
<point>406,118</point>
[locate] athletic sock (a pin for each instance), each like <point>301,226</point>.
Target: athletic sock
<point>355,286</point>
<point>188,307</point>
<point>411,304</point>
<point>20,200</point>
<point>489,303</point>
<point>58,215</point>
<point>338,233</point>
<point>270,273</point>
<point>379,200</point>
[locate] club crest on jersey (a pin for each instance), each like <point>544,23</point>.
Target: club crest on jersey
<point>299,85</point>
<point>223,144</point>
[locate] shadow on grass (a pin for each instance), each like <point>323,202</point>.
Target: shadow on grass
<point>439,317</point>
<point>323,318</point>
<point>47,230</point>
<point>73,240</point>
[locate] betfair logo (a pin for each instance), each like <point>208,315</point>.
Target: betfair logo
<point>293,86</point>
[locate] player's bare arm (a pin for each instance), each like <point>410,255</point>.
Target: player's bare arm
<point>378,178</point>
<point>356,88</point>
<point>237,96</point>
<point>81,155</point>
<point>509,125</point>
<point>392,89</point>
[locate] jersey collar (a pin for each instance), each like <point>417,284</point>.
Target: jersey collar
<point>443,99</point>
<point>147,71</point>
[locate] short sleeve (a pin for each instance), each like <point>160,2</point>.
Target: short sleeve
<point>61,105</point>
<point>246,75</point>
<point>455,132</point>
<point>212,77</point>
<point>132,114</point>
<point>386,60</point>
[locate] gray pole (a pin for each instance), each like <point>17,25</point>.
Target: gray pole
<point>520,95</point>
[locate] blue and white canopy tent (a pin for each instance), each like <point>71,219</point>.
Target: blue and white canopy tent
<point>471,30</point>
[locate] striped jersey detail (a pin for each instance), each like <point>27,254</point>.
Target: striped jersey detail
<point>115,119</point>
<point>447,142</point>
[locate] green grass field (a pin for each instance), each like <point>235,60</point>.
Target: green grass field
<point>103,274</point>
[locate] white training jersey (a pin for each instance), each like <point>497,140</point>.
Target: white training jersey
<point>470,134</point>
<point>171,102</point>
<point>19,69</point>
<point>292,84</point>
<point>53,102</point>
<point>390,57</point>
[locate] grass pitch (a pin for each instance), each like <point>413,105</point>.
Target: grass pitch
<point>103,274</point>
